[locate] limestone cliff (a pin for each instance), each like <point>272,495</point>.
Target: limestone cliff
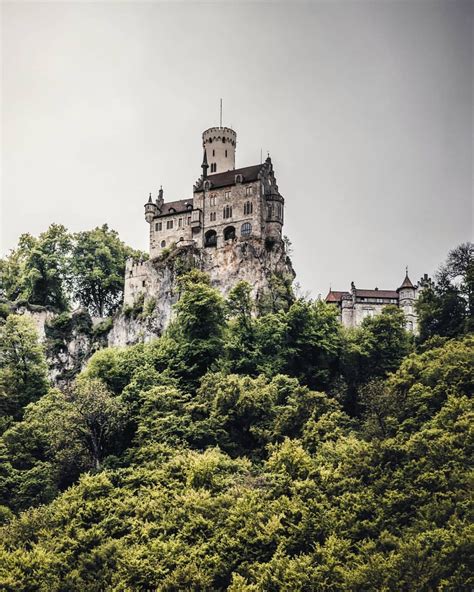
<point>251,260</point>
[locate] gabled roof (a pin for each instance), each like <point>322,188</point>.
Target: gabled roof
<point>335,296</point>
<point>227,178</point>
<point>179,205</point>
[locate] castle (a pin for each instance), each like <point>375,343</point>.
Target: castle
<point>231,227</point>
<point>356,305</point>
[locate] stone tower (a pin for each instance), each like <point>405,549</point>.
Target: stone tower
<point>219,144</point>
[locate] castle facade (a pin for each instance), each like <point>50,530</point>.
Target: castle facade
<point>358,304</point>
<point>232,223</point>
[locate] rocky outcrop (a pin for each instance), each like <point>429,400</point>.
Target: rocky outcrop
<point>251,260</point>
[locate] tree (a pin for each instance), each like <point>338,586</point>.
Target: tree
<point>197,330</point>
<point>98,268</point>
<point>23,369</point>
<point>446,306</point>
<point>313,343</point>
<point>97,416</point>
<point>46,268</point>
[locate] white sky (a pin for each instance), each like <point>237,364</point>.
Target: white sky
<point>365,107</point>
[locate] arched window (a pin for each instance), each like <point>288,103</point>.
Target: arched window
<point>238,178</point>
<point>229,233</point>
<point>246,229</point>
<point>207,185</point>
<point>163,244</point>
<point>248,208</point>
<point>227,213</point>
<point>210,238</point>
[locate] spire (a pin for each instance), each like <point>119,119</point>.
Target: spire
<point>149,198</point>
<point>406,282</point>
<point>204,165</point>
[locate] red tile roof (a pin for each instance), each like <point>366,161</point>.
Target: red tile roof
<point>376,293</point>
<point>335,296</point>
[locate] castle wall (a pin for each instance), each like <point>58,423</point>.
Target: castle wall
<point>136,281</point>
<point>161,236</point>
<point>236,197</point>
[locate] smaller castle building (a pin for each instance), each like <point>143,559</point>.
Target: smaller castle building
<point>358,304</point>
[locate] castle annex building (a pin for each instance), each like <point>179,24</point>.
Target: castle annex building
<point>231,227</point>
<point>356,305</point>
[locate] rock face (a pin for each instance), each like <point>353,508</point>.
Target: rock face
<point>252,260</point>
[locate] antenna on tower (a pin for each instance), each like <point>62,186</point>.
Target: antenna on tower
<point>221,114</point>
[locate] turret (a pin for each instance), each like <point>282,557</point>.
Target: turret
<point>151,210</point>
<point>407,290</point>
<point>219,145</point>
<point>406,301</point>
<point>274,204</point>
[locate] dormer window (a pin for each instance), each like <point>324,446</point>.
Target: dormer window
<point>238,178</point>
<point>207,185</point>
<point>172,211</point>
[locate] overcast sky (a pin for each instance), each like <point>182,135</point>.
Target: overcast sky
<point>365,108</point>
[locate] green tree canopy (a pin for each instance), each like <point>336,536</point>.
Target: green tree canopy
<point>97,269</point>
<point>23,369</point>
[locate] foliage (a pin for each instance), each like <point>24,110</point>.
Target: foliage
<point>228,455</point>
<point>98,268</point>
<point>23,370</point>
<point>446,306</point>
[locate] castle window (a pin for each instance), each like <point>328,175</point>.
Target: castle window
<point>238,178</point>
<point>158,226</point>
<point>180,223</point>
<point>189,220</point>
<point>248,190</point>
<point>169,224</point>
<point>212,200</point>
<point>229,233</point>
<point>213,153</point>
<point>207,185</point>
<point>226,194</point>
<point>163,244</point>
<point>213,167</point>
<point>227,213</point>
<point>210,238</point>
<point>226,153</point>
<point>212,216</point>
<point>248,208</point>
<point>270,211</point>
<point>143,283</point>
<point>246,229</point>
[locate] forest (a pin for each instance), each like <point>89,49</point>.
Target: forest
<point>253,447</point>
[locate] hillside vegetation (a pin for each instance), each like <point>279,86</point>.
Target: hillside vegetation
<point>277,452</point>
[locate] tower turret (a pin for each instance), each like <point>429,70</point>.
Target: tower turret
<point>219,144</point>
<point>151,210</point>
<point>406,301</point>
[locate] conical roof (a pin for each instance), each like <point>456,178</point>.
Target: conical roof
<point>406,283</point>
